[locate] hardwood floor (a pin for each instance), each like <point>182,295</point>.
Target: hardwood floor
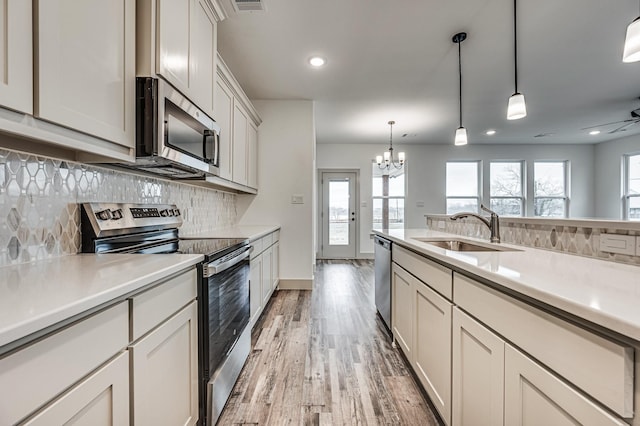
<point>323,358</point>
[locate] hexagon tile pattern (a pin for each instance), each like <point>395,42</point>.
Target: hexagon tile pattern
<point>39,196</point>
<point>581,241</point>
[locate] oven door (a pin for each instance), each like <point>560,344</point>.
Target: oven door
<point>226,308</point>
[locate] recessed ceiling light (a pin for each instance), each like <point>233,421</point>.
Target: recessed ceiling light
<point>491,132</point>
<point>594,132</point>
<point>317,61</point>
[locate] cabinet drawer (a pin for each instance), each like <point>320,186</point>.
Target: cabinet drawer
<point>258,247</point>
<point>600,367</point>
<point>267,240</point>
<point>153,306</point>
<point>36,374</point>
<point>436,276</point>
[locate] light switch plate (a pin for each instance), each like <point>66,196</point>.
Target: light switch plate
<point>419,203</point>
<point>621,244</point>
<point>297,199</point>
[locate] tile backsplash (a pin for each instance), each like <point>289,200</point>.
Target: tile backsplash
<point>39,196</point>
<point>579,237</point>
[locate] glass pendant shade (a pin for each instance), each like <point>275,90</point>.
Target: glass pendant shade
<point>401,157</point>
<point>461,136</point>
<point>517,108</point>
<point>632,42</point>
<point>379,159</point>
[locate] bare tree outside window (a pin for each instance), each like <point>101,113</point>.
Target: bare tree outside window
<point>550,189</point>
<point>506,193</point>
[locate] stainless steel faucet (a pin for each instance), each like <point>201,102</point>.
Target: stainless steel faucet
<point>493,223</point>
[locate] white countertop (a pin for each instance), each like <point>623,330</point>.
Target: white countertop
<point>251,232</point>
<point>39,294</point>
<point>605,293</point>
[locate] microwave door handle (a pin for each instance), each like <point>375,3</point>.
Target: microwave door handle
<point>205,137</point>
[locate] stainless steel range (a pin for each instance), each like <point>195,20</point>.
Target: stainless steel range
<point>224,339</point>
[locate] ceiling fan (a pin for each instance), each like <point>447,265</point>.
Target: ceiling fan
<point>624,124</point>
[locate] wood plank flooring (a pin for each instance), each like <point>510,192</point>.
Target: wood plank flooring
<point>322,357</point>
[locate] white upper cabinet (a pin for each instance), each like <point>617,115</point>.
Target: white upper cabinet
<point>86,67</point>
<point>252,156</point>
<point>240,150</point>
<point>186,49</point>
<point>224,117</point>
<point>16,55</point>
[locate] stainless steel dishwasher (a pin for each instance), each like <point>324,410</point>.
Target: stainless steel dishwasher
<point>382,250</point>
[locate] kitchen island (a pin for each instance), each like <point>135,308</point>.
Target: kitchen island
<point>501,335</point>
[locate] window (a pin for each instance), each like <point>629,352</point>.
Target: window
<point>463,186</point>
<point>505,191</point>
<point>632,187</point>
<point>550,197</point>
<point>388,197</point>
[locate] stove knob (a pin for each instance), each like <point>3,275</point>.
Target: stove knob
<point>176,212</point>
<point>165,213</point>
<point>104,214</point>
<point>116,214</point>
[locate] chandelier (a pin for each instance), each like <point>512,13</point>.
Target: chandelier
<point>387,161</point>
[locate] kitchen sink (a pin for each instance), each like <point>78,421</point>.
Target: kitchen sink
<point>462,245</point>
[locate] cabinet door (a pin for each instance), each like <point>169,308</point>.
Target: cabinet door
<point>432,346</point>
<point>239,145</point>
<point>267,262</point>
<point>173,42</point>
<point>252,155</point>
<point>224,116</point>
<point>86,67</point>
<point>165,372</point>
<point>275,266</point>
<point>478,373</point>
<point>403,299</point>
<point>202,54</point>
<point>16,55</point>
<point>534,396</point>
<point>102,399</point>
<point>255,288</point>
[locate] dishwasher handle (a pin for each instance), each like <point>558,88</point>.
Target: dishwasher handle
<point>386,244</point>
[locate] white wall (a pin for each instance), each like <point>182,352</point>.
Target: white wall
<point>286,150</point>
<point>426,174</point>
<point>609,175</point>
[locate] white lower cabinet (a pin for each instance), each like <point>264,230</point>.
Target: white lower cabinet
<point>402,309</point>
<point>478,373</point>
<point>432,346</point>
<point>165,372</point>
<point>102,399</point>
<point>275,266</point>
<point>255,288</point>
<point>265,273</point>
<point>266,279</point>
<point>534,396</point>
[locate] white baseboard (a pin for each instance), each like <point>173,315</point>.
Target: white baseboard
<point>295,285</point>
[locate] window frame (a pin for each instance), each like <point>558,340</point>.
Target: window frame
<point>478,197</point>
<point>523,180</point>
<point>626,186</point>
<point>566,198</point>
<point>388,197</point>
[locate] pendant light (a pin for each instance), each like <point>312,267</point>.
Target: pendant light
<point>461,132</point>
<point>517,108</point>
<point>387,161</point>
<point>632,42</point>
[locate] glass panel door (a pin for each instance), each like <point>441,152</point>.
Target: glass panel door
<point>338,215</point>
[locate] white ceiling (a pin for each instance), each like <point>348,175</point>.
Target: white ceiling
<point>394,60</point>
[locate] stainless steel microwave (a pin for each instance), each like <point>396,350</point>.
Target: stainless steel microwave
<point>174,138</point>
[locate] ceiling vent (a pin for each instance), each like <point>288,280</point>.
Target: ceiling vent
<point>249,5</point>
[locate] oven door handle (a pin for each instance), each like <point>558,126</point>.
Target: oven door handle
<point>215,268</point>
